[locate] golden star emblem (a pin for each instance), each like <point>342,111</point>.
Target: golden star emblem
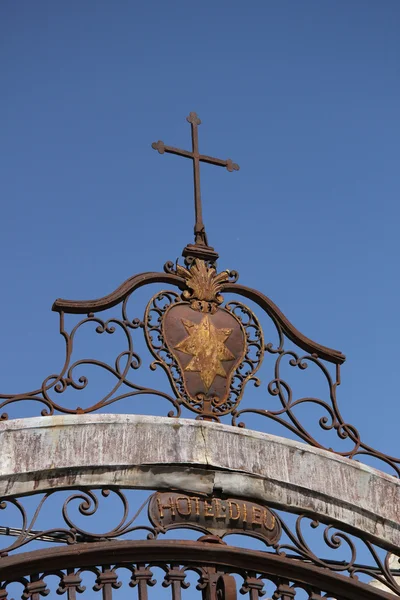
<point>206,344</point>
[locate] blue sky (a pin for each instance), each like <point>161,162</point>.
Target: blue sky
<point>304,96</point>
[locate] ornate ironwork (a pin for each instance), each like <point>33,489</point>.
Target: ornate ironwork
<point>205,344</point>
<point>200,289</point>
<point>71,532</point>
<point>280,388</point>
<point>204,284</point>
<point>214,582</point>
<point>288,545</point>
<point>286,537</point>
<point>209,350</point>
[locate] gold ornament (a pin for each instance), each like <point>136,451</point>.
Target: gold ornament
<point>206,344</point>
<point>203,281</point>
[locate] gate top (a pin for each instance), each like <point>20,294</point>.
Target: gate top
<point>209,348</point>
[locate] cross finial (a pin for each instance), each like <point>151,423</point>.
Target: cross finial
<point>196,157</point>
<point>193,118</point>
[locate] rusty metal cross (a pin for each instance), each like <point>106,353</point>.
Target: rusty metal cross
<point>193,119</point>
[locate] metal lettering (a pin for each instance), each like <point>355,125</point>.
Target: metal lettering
<point>216,515</point>
<point>188,506</point>
<point>237,516</point>
<point>257,515</point>
<point>269,520</point>
<point>220,509</point>
<point>207,507</point>
<point>197,505</point>
<point>170,506</point>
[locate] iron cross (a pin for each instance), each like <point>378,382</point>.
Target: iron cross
<point>197,158</point>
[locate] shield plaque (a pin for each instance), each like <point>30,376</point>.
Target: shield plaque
<point>207,347</point>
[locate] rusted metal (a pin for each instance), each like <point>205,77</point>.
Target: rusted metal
<point>225,588</point>
<point>210,561</point>
<point>214,517</point>
<point>208,356</point>
<point>210,349</point>
<point>218,516</point>
<point>208,375</point>
<point>202,290</point>
<point>197,158</point>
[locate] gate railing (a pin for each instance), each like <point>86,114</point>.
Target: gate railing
<point>221,572</point>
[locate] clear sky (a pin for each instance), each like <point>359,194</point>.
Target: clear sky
<point>304,95</point>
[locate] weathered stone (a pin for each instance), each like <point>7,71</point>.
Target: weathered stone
<point>194,456</point>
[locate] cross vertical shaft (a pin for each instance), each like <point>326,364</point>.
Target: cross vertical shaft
<point>199,229</point>
<point>196,157</point>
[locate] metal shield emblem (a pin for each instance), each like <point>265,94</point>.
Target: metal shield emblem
<point>209,352</point>
<point>207,347</point>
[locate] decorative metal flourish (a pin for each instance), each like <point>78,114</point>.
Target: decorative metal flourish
<point>200,292</point>
<point>288,542</point>
<point>280,388</point>
<point>209,359</point>
<point>70,532</point>
<point>254,353</point>
<point>209,351</point>
<point>336,539</point>
<point>204,284</point>
<point>153,319</point>
<point>125,364</point>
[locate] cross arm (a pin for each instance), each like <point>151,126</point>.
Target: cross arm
<point>162,148</point>
<point>228,164</point>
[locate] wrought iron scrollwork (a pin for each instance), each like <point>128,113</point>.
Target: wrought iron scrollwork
<point>254,352</point>
<point>336,539</point>
<point>280,388</point>
<point>201,287</point>
<point>357,556</point>
<point>124,365</point>
<point>70,532</point>
<point>153,318</point>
